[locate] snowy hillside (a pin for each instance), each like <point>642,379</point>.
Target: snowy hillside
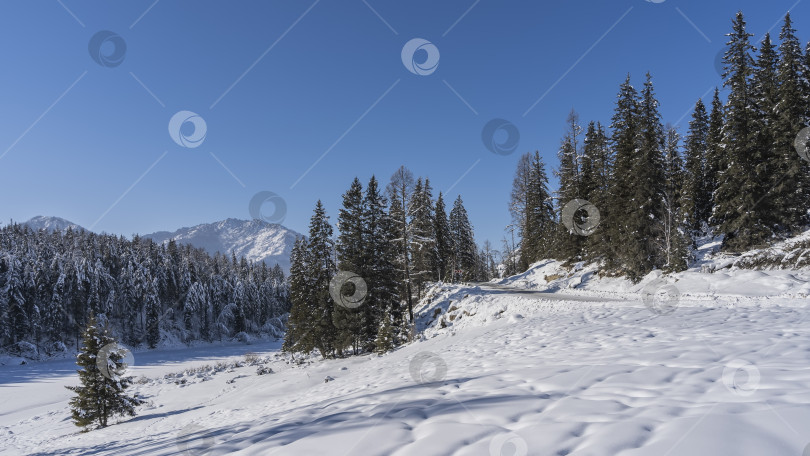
<point>256,240</point>
<point>761,272</point>
<point>51,223</point>
<point>551,362</point>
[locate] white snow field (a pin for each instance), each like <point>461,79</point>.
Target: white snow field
<point>717,365</point>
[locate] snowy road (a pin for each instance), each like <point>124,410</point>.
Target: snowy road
<point>496,289</point>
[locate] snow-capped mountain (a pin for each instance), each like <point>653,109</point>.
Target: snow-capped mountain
<point>51,223</point>
<point>256,240</point>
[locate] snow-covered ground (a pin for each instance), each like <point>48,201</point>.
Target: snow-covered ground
<point>689,364</point>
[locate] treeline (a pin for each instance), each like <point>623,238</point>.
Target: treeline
<point>51,282</point>
<point>355,292</point>
<point>736,172</point>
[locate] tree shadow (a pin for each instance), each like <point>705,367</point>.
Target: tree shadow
<point>391,406</point>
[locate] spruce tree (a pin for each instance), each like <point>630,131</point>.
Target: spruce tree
<point>321,268</point>
<point>299,336</point>
<point>13,291</point>
<point>740,189</point>
<point>715,155</point>
<point>385,339</point>
<point>194,306</point>
<point>399,191</point>
<point>444,242</point>
<point>423,236</point>
<point>350,224</point>
<point>383,303</point>
<point>764,90</point>
<point>102,393</point>
<point>55,313</point>
<point>351,257</point>
<point>396,214</point>
<point>540,223</point>
<point>695,196</point>
<point>648,187</point>
<point>152,304</point>
<point>597,162</point>
<point>675,240</point>
<point>637,190</point>
<point>464,251</point>
<point>625,128</point>
<point>790,177</point>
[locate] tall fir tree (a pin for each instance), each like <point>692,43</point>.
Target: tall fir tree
<point>695,196</point>
<point>715,155</point>
<point>625,133</point>
<point>675,240</point>
<point>463,242</point>
<point>14,302</point>
<point>300,335</point>
<point>790,178</point>
<point>540,222</point>
<point>351,258</point>
<point>423,235</point>
<point>597,163</point>
<point>764,88</point>
<point>350,225</point>
<point>444,241</point>
<point>647,210</point>
<point>383,304</point>
<point>321,268</point>
<point>152,305</point>
<point>739,189</point>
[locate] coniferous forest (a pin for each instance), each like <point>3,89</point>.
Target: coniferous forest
<point>356,292</point>
<point>737,170</point>
<point>52,282</point>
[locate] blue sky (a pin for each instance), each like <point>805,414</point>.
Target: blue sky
<point>280,83</point>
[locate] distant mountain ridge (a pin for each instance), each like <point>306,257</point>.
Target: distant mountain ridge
<point>255,240</point>
<point>51,223</point>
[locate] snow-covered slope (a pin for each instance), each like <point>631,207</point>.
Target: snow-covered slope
<point>780,270</point>
<point>511,374</point>
<point>256,240</point>
<point>51,223</point>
